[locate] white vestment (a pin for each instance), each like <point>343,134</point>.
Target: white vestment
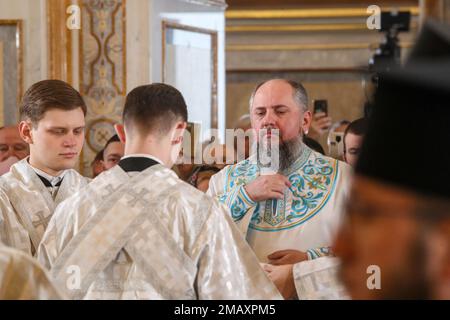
<point>22,278</point>
<point>318,279</point>
<point>26,205</point>
<point>308,217</point>
<point>149,236</point>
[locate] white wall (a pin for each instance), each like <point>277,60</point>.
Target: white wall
<point>138,43</point>
<point>202,16</point>
<point>34,16</point>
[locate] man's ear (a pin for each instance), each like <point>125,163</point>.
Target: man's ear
<point>25,128</point>
<point>178,133</point>
<point>120,130</point>
<point>306,122</point>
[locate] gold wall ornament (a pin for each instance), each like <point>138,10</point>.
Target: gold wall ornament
<point>309,13</point>
<point>59,41</point>
<point>308,46</point>
<point>99,132</point>
<point>301,27</point>
<point>102,61</point>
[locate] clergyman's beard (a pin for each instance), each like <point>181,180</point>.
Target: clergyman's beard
<point>289,151</point>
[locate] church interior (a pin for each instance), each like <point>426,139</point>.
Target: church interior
<point>219,54</point>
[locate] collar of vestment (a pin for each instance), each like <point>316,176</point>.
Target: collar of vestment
<point>138,162</point>
<point>313,178</point>
<point>47,179</point>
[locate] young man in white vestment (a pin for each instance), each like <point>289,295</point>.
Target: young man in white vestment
<point>52,123</point>
<point>139,232</point>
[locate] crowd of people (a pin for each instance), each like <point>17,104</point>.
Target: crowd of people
<point>302,226</point>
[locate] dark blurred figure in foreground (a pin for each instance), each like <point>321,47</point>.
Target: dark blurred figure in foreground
<point>395,243</point>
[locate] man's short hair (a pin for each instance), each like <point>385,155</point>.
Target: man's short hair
<point>298,91</point>
<point>357,127</point>
<point>98,157</point>
<point>46,95</point>
<point>114,138</point>
<point>154,108</point>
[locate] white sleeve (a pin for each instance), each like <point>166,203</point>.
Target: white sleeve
<point>318,280</point>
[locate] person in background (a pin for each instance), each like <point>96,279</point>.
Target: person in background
<point>353,138</point>
<point>113,152</point>
<point>97,164</point>
<point>12,147</point>
<point>335,140</point>
<point>313,144</point>
<point>201,176</point>
<point>320,124</point>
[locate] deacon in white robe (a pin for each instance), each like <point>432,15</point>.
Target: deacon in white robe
<point>138,232</point>
<point>148,235</point>
<point>52,123</point>
<point>22,278</point>
<point>28,198</point>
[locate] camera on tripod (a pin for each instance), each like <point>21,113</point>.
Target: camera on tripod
<point>389,52</point>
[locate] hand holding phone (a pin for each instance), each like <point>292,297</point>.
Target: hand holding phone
<point>321,106</point>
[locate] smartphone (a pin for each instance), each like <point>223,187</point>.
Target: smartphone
<point>321,106</point>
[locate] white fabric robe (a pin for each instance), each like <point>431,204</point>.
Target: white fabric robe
<point>306,219</point>
<point>150,236</point>
<point>318,279</point>
<point>22,278</point>
<point>26,205</point>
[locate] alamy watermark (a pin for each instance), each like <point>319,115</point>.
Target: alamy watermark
<point>374,20</point>
<point>73,22</point>
<point>374,280</point>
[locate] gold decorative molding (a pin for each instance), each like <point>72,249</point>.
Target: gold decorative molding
<point>308,13</point>
<point>349,69</point>
<point>296,27</point>
<point>300,27</point>
<point>59,41</point>
<point>308,46</point>
<point>102,70</point>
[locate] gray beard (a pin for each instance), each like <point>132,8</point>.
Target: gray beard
<point>289,152</point>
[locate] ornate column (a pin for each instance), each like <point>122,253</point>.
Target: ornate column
<point>102,78</point>
<point>59,41</point>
